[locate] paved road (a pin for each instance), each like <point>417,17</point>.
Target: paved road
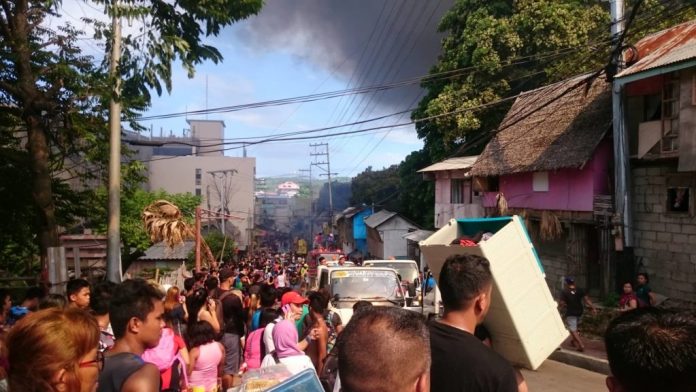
<point>554,376</point>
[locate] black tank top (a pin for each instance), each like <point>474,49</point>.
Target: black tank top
<point>117,369</point>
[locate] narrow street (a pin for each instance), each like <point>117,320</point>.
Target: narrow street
<point>555,376</point>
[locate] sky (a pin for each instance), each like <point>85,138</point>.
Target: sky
<point>301,47</point>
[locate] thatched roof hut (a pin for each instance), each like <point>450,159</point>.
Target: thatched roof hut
<point>553,127</point>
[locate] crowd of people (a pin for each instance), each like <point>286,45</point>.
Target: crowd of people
<point>137,336</point>
<point>573,301</point>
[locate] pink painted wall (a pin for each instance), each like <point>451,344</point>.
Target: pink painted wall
<point>569,189</point>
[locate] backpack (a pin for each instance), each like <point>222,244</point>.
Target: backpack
<point>219,314</point>
<point>164,354</point>
<point>331,341</point>
<point>329,372</point>
<point>254,349</point>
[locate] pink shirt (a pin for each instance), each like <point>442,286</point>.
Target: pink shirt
<point>205,370</point>
<point>252,350</point>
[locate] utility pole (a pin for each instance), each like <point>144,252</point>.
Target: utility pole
<point>621,164</point>
<point>113,249</point>
<point>198,239</point>
<point>327,173</point>
<point>223,194</point>
<point>311,204</point>
<point>250,232</point>
<point>621,154</point>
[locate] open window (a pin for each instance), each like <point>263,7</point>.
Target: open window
<point>655,108</point>
<point>487,184</point>
<point>678,199</point>
<point>680,195</point>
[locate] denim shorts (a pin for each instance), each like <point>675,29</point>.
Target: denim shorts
<point>572,322</point>
<point>232,353</point>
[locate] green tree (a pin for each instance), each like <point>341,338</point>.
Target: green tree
<point>305,191</point>
<point>53,99</point>
<point>216,241</point>
<point>508,47</point>
<point>492,39</point>
<point>170,32</point>
<point>380,187</point>
<point>133,235</point>
<point>47,97</point>
<point>416,195</point>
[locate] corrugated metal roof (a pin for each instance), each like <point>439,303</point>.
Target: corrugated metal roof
<point>161,251</point>
<point>666,47</point>
<point>418,235</point>
<point>356,212</point>
<point>451,164</point>
<point>378,218</point>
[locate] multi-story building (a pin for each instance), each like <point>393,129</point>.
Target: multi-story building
<point>196,163</point>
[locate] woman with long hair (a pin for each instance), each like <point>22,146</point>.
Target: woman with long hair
<point>55,350</point>
<point>206,356</point>
<point>175,307</point>
<point>202,308</point>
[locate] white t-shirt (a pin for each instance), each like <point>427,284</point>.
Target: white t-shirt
<point>295,364</point>
<point>268,336</point>
<point>280,280</point>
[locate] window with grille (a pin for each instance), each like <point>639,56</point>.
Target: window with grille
<point>198,177</point>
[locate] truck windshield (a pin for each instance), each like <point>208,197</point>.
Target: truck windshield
<point>407,271</point>
<point>365,284</point>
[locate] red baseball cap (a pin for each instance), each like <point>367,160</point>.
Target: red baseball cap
<point>292,297</point>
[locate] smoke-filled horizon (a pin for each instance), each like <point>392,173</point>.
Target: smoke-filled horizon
<point>362,42</point>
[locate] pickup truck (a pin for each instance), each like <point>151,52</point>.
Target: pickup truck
<point>348,285</point>
<point>412,285</point>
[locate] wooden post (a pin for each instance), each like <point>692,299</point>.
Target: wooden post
<point>57,271</point>
<point>198,239</point>
<point>77,266</point>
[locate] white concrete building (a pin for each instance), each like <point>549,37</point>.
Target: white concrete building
<point>289,188</point>
<point>225,183</point>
